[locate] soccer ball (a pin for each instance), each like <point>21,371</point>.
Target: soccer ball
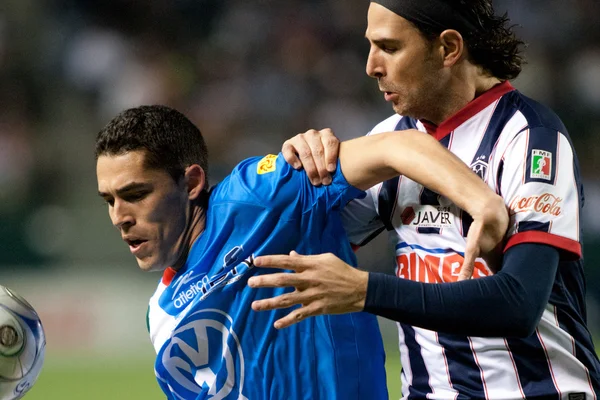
<point>22,345</point>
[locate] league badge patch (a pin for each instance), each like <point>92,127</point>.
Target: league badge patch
<point>541,164</point>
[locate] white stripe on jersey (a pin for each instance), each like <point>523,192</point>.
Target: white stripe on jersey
<point>406,375</point>
<point>497,368</point>
<point>436,364</point>
<point>465,144</point>
<point>569,375</point>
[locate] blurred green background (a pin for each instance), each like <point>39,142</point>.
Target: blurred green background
<point>250,74</point>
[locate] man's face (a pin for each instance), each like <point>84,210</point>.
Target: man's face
<point>405,64</point>
<point>147,207</point>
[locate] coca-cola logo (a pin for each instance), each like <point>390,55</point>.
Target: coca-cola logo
<point>544,204</point>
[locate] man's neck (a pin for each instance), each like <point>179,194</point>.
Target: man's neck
<point>461,93</point>
<point>195,227</point>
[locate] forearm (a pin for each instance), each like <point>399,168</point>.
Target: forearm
<point>509,303</point>
<point>424,160</point>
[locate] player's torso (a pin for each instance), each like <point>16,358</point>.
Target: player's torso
<point>429,233</point>
<point>209,342</point>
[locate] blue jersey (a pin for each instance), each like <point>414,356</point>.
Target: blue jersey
<point>210,344</point>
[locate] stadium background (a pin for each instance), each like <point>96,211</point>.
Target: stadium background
<point>250,74</point>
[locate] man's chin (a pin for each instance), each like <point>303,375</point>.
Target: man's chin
<point>148,265</point>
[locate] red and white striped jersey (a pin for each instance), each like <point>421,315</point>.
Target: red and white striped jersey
<point>523,152</point>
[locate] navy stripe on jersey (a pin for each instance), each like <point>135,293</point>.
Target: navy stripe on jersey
<point>532,366</point>
<point>387,201</point>
<point>419,387</point>
<point>504,111</point>
<point>524,226</point>
<point>389,189</point>
<point>464,372</point>
<point>466,220</point>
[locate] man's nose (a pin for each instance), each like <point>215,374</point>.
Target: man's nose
<point>121,215</point>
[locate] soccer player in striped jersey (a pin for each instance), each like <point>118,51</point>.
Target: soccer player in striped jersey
<point>152,172</point>
<point>517,331</point>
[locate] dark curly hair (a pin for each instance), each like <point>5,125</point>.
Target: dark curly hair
<point>494,46</point>
<point>171,140</point>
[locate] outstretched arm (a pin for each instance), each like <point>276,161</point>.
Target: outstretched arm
<point>509,303</point>
<point>369,160</point>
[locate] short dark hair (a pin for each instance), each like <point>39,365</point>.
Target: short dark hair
<point>171,140</point>
<point>494,45</point>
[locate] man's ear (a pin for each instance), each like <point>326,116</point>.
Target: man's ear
<point>195,179</point>
<point>453,46</point>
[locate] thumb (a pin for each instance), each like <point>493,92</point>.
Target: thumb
<point>471,253</point>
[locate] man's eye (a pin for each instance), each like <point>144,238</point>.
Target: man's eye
<point>110,202</point>
<point>136,196</point>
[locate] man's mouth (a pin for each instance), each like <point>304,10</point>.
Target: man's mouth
<point>390,96</point>
<point>135,245</point>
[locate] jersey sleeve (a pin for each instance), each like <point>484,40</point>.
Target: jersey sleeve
<point>539,182</point>
<point>361,220</point>
<point>271,182</point>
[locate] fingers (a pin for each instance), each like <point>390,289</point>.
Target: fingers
<point>298,315</point>
<point>294,261</point>
<point>472,251</point>
<point>299,151</point>
<point>316,152</point>
<point>289,153</point>
<point>331,146</point>
<point>283,279</point>
<point>283,301</point>
<point>468,267</point>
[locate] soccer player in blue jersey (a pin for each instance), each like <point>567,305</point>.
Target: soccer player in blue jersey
<point>518,334</point>
<point>152,171</point>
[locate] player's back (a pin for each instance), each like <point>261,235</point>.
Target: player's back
<point>210,344</point>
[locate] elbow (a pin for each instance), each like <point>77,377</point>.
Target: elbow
<point>523,324</point>
<point>521,331</point>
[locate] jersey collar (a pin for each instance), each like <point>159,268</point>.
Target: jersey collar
<point>168,276</point>
<point>468,111</point>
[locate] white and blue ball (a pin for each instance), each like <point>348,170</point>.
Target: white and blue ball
<point>22,345</point>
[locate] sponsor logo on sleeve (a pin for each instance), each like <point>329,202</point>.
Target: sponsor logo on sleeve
<point>541,164</point>
<point>544,204</point>
<point>267,164</point>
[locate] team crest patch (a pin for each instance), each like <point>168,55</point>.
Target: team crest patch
<point>267,164</point>
<point>541,164</point>
<point>480,167</point>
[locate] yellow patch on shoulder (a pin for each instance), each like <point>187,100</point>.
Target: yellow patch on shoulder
<point>267,164</point>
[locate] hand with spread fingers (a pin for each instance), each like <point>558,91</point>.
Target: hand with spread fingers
<point>324,285</point>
